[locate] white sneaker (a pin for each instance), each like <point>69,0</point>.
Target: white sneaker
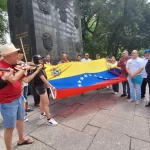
<point>116,93</point>
<point>52,122</point>
<point>26,119</point>
<point>42,116</point>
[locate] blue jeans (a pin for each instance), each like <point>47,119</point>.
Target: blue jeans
<point>25,93</point>
<point>12,112</point>
<point>135,90</point>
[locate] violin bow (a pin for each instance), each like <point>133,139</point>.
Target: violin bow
<point>4,69</point>
<point>23,49</point>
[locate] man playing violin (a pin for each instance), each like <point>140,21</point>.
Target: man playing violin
<point>11,104</point>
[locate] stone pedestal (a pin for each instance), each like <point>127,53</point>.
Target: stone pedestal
<point>47,27</point>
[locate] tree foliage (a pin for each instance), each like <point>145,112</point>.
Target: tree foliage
<point>109,26</point>
<point>3,21</point>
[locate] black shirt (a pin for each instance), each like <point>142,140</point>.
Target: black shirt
<point>2,84</point>
<point>147,68</point>
<point>37,80</point>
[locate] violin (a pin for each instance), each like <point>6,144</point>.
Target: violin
<point>21,64</point>
<point>8,70</point>
<point>17,67</point>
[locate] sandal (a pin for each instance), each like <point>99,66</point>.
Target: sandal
<point>26,142</point>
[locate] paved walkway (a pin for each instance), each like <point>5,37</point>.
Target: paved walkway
<point>99,120</point>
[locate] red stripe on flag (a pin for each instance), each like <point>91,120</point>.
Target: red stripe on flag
<point>63,93</point>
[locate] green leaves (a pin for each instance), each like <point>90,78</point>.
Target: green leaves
<point>3,21</point>
<point>113,25</point>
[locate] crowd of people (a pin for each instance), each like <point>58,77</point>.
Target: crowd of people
<point>137,71</point>
<point>16,75</point>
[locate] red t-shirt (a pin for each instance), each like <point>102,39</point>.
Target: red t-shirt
<point>12,91</point>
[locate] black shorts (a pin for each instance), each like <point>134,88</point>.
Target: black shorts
<point>41,89</point>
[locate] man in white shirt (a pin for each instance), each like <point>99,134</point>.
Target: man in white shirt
<point>86,58</point>
<point>134,69</point>
<point>47,59</point>
<point>144,74</point>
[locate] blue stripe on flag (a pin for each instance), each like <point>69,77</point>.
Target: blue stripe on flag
<point>83,80</point>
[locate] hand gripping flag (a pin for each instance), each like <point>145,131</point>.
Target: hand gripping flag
<point>78,77</point>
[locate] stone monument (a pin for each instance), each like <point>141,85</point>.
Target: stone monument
<point>46,27</point>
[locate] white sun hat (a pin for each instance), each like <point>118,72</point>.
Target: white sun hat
<point>7,49</point>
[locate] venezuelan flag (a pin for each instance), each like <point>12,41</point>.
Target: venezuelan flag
<point>78,77</point>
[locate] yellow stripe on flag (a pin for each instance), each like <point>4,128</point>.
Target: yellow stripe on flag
<point>75,68</point>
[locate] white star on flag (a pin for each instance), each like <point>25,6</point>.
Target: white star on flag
<point>100,77</point>
<point>79,85</point>
<point>90,75</point>
<point>95,75</point>
<point>79,81</point>
<point>85,76</point>
<point>105,78</point>
<point>81,78</point>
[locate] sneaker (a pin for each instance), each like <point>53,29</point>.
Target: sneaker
<point>52,122</point>
<point>130,101</point>
<point>116,93</point>
<point>42,116</point>
<point>26,119</point>
<point>123,95</point>
<point>137,103</point>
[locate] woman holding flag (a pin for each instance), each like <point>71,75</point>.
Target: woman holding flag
<point>41,84</point>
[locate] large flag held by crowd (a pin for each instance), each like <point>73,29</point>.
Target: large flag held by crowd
<point>78,77</point>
